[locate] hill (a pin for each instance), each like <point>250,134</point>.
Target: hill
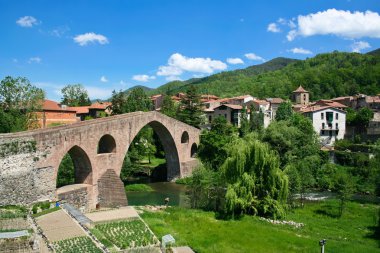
<point>275,64</point>
<point>325,76</point>
<point>146,89</point>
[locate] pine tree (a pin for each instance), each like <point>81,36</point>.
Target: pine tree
<point>168,106</point>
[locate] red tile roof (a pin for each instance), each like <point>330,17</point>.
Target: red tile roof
<point>50,105</point>
<point>329,103</point>
<point>300,90</point>
<point>80,109</point>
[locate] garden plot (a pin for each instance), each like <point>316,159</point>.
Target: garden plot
<point>13,224</point>
<point>59,226</point>
<point>75,245</point>
<point>114,214</point>
<point>128,234</point>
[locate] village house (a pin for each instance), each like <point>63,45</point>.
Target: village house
<point>54,114</point>
<point>328,122</point>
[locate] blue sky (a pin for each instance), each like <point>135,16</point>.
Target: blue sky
<point>113,45</point>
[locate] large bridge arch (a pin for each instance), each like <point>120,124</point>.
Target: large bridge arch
<point>169,144</point>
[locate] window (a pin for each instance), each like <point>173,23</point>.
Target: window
<point>323,132</point>
<point>322,115</point>
<point>323,125</point>
<point>329,116</point>
<point>209,118</point>
<point>337,116</point>
<point>225,115</point>
<point>336,126</point>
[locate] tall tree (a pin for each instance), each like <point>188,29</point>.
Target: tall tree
<point>18,100</point>
<point>284,111</point>
<point>168,107</point>
<point>75,95</point>
<point>190,109</point>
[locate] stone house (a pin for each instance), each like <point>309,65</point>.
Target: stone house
<point>328,122</point>
<point>231,112</point>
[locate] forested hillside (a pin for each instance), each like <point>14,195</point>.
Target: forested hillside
<point>325,76</point>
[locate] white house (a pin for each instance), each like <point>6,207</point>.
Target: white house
<point>328,122</point>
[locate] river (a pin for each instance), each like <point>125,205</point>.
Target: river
<point>175,192</point>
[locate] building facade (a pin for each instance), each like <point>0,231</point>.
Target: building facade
<point>328,122</point>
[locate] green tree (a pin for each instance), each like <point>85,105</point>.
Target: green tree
<point>136,100</point>
<point>213,145</point>
<point>190,109</point>
<point>344,187</point>
<point>284,111</point>
<point>168,107</point>
<point>19,100</point>
<point>255,183</point>
<point>245,126</point>
<point>75,95</point>
<point>66,172</point>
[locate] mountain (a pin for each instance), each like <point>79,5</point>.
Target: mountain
<point>375,52</point>
<point>272,65</point>
<point>326,75</point>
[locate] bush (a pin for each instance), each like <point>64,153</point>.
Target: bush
<point>138,188</point>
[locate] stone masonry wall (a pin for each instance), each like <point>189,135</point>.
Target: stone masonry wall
<point>20,181</point>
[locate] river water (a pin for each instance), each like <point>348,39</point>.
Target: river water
<point>175,192</point>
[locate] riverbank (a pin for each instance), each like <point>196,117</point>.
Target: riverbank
<point>353,232</point>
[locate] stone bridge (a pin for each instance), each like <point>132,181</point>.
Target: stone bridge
<point>29,160</point>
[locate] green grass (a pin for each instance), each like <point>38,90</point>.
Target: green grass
<point>46,211</point>
<point>353,232</point>
<point>12,211</point>
<point>138,188</point>
<point>184,180</point>
<point>154,162</point>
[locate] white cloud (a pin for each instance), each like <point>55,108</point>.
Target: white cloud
<point>254,57</point>
<point>103,79</point>
<point>300,50</point>
<point>338,22</point>
<point>235,61</point>
<point>34,60</point>
<point>14,60</point>
<point>86,38</point>
<point>173,78</point>
<point>177,64</point>
<point>272,27</point>
<point>143,78</point>
<point>358,46</point>
<point>27,21</point>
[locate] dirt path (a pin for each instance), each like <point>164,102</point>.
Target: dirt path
<point>59,226</point>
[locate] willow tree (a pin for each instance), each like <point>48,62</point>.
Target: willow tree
<point>255,182</point>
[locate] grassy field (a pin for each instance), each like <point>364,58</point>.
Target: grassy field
<point>353,232</point>
<point>138,188</point>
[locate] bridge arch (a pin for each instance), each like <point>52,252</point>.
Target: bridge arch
<point>82,165</point>
<point>185,137</point>
<point>194,150</point>
<point>106,144</point>
<point>169,145</point>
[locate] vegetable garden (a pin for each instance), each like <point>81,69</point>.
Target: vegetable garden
<point>125,234</point>
<point>74,245</point>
